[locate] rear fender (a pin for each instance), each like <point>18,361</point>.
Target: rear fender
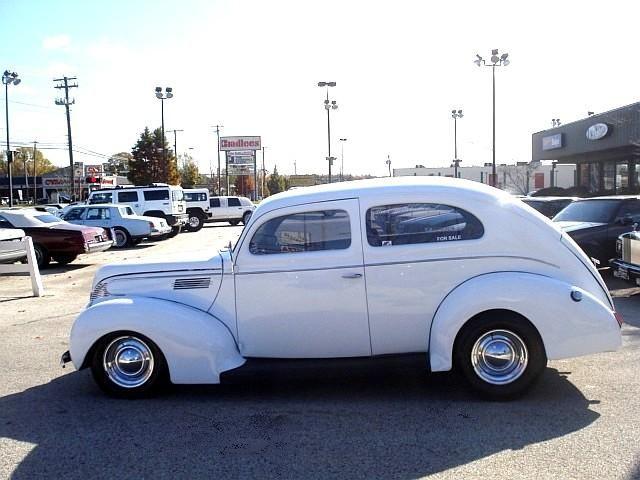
<point>197,346</point>
<point>568,328</point>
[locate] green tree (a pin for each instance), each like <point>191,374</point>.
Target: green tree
<point>43,164</point>
<point>275,183</point>
<point>118,164</point>
<point>189,173</point>
<point>148,165</point>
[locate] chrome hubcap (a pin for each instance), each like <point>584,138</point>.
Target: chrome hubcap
<point>499,357</point>
<point>128,362</point>
<point>121,238</point>
<point>194,222</point>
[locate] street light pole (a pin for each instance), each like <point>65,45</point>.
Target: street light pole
<point>263,172</point>
<point>9,78</point>
<point>455,114</point>
<point>342,140</point>
<point>329,105</point>
<point>388,162</point>
<point>496,61</point>
<point>168,93</point>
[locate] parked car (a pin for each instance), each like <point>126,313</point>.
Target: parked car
<point>626,265</point>
<point>548,206</point>
<point>156,200</point>
<point>231,209</point>
<point>128,228</point>
<point>198,207</point>
<point>474,292</point>
<point>14,251</point>
<point>596,223</point>
<point>53,237</point>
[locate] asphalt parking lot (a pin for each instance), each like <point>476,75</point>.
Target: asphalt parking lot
<point>580,421</point>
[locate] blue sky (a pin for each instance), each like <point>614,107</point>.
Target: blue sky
<point>253,66</point>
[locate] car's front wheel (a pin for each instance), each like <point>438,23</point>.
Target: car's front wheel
<point>128,365</point>
<point>500,354</point>
<point>42,256</point>
<point>246,217</point>
<point>196,222</point>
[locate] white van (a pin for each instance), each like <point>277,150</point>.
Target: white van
<point>155,200</point>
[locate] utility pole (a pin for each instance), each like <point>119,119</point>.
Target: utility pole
<point>263,172</point>
<point>35,191</point>
<point>26,178</point>
<point>295,168</point>
<point>175,143</point>
<point>66,102</point>
<point>218,127</point>
<point>388,162</point>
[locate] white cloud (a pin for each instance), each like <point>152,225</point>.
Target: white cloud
<point>56,42</point>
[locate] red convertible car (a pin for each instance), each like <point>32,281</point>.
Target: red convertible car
<point>53,238</point>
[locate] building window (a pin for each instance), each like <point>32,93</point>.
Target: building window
<point>608,177</point>
<point>622,177</point>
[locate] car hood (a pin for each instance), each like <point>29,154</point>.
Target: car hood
<point>569,227</point>
<point>168,269</point>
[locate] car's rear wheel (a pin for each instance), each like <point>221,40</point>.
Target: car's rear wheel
<point>195,222</point>
<point>500,354</point>
<point>121,238</point>
<point>42,256</point>
<point>65,259</point>
<point>128,365</point>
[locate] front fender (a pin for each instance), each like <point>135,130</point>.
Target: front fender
<point>567,328</point>
<point>197,346</point>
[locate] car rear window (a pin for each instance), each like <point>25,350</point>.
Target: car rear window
<point>403,224</point>
<point>303,232</point>
<point>101,197</point>
<point>233,202</point>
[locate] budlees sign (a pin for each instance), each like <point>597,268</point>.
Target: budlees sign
<point>239,143</point>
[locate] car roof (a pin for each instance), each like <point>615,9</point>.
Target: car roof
<point>610,197</point>
<point>99,205</point>
<point>548,199</point>
<point>133,187</point>
<point>376,186</point>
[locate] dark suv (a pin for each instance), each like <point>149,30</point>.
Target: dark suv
<point>596,223</point>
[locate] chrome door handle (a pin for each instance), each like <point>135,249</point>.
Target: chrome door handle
<point>352,275</point>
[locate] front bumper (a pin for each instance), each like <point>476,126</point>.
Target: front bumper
<point>178,219</point>
<point>98,246</point>
<point>625,270</point>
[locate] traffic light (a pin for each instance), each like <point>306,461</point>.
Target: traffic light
<point>92,179</point>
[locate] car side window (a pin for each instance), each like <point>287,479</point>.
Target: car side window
<point>4,223</point>
<point>303,232</point>
<point>127,197</point>
<point>102,197</point>
<point>411,223</point>
<point>74,214</point>
<point>98,214</point>
<point>630,210</point>
<point>233,202</point>
<point>214,202</point>
<point>156,194</point>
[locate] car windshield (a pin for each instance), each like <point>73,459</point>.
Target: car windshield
<point>596,211</point>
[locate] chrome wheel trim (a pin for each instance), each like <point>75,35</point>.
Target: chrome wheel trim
<point>128,362</point>
<point>194,221</point>
<point>120,238</point>
<point>499,357</point>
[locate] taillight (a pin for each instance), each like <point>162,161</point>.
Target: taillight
<point>619,318</point>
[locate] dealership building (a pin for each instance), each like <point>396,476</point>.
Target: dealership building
<point>605,148</point>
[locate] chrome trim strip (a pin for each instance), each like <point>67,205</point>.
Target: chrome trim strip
<point>382,264</point>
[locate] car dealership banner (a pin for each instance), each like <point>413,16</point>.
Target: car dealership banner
<point>240,143</point>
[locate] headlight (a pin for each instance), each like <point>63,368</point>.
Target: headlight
<point>99,291</point>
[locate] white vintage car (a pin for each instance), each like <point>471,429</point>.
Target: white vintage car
<point>454,270</point>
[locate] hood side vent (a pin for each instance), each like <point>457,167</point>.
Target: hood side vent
<point>190,283</point>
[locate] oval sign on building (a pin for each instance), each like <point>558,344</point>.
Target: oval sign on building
<point>597,131</point>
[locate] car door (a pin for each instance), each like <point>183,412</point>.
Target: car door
<point>234,208</point>
<point>300,286</point>
<point>130,198</point>
<point>215,208</point>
